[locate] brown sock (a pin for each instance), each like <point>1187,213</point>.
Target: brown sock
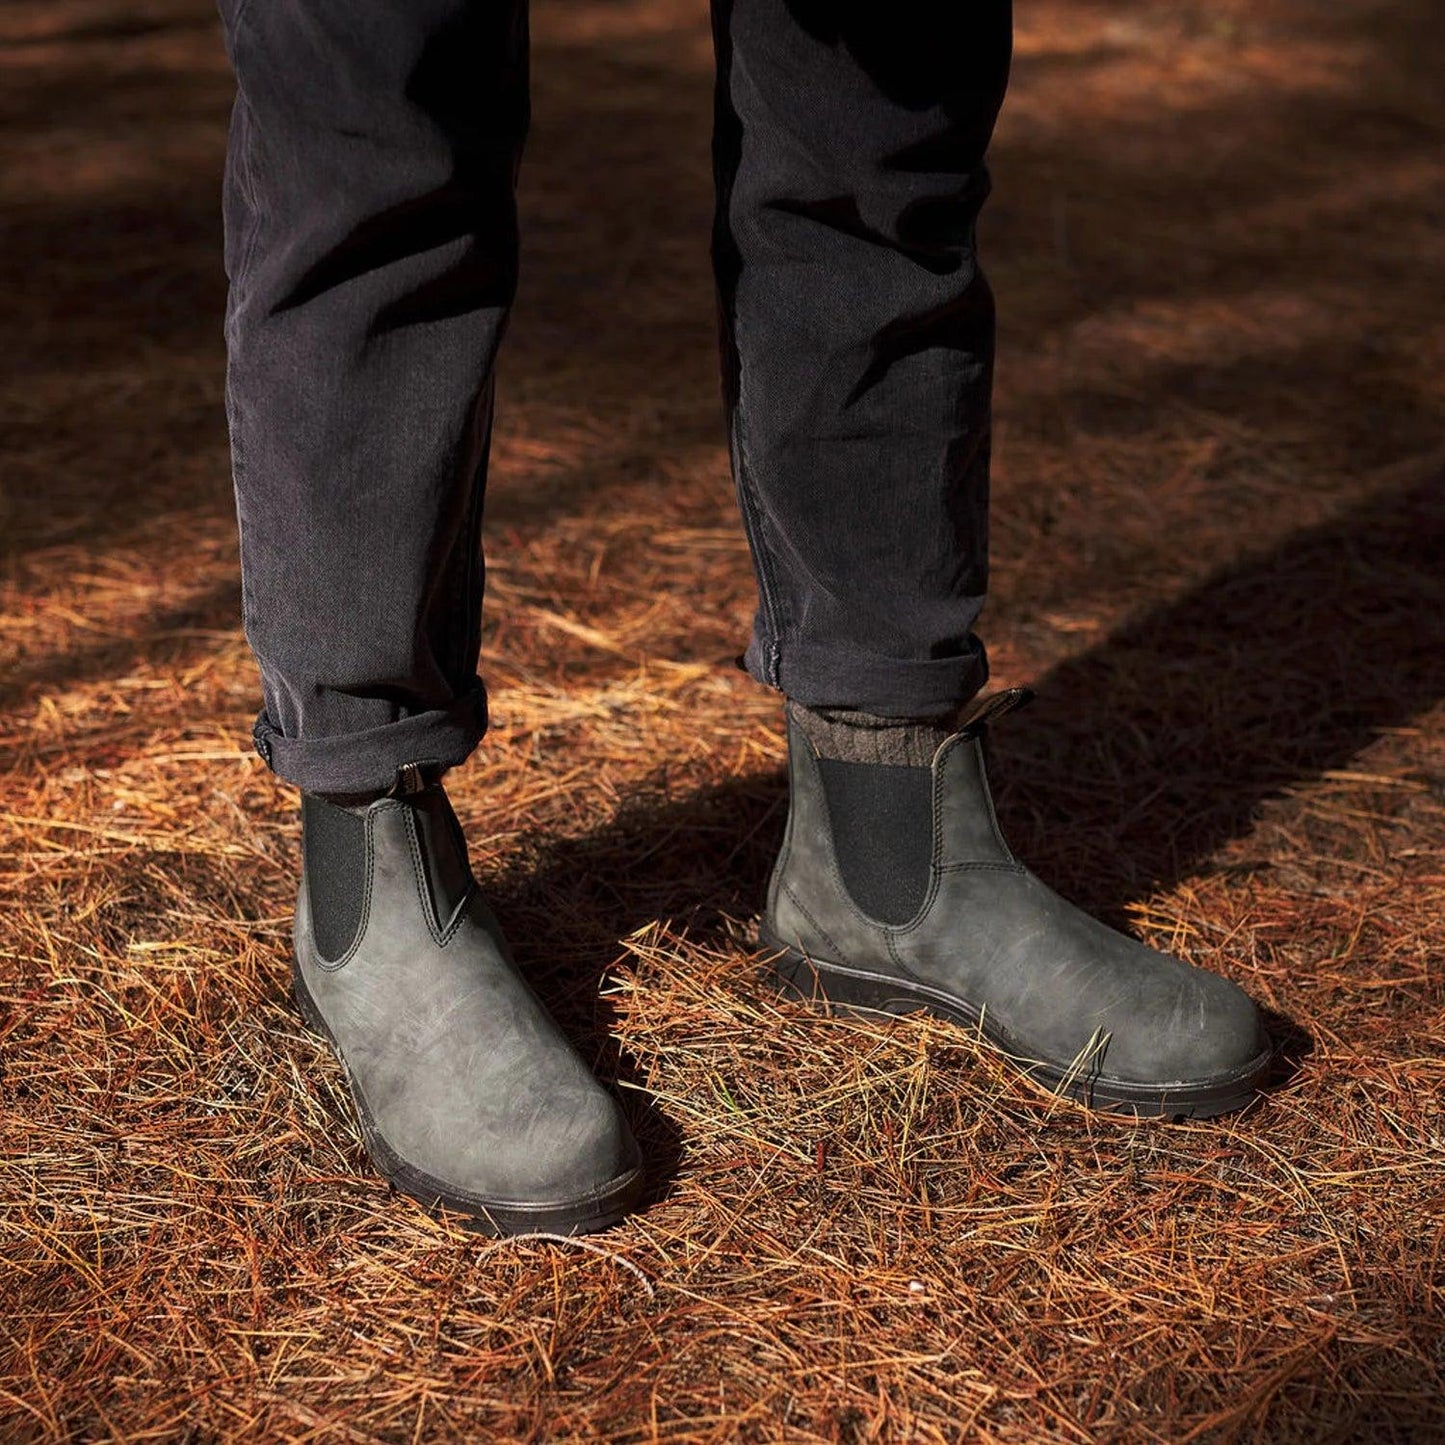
<point>862,737</point>
<point>850,736</point>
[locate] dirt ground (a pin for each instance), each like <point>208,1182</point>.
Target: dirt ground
<point>1219,553</point>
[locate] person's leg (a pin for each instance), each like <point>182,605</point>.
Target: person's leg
<point>371,245</point>
<point>857,335</point>
<point>372,250</point>
<point>857,348</point>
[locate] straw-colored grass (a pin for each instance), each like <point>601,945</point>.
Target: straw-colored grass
<point>1219,552</point>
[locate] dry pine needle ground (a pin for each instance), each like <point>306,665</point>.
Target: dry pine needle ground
<point>1218,540</point>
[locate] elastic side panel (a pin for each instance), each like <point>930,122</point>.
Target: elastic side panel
<point>333,843</point>
<point>882,823</point>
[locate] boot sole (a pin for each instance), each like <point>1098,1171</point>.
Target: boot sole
<point>597,1210</point>
<point>830,985</point>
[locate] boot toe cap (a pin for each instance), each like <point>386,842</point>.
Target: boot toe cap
<point>550,1149</point>
<point>574,1152</point>
<point>1205,1029</point>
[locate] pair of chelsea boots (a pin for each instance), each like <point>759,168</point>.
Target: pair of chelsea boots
<point>469,1096</point>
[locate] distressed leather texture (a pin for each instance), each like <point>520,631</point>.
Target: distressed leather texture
<point>994,937</point>
<point>461,1069</point>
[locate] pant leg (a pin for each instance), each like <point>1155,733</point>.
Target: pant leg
<point>857,337</point>
<point>371,246</point>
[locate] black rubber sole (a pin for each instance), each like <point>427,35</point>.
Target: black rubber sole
<point>830,985</point>
<point>585,1215</point>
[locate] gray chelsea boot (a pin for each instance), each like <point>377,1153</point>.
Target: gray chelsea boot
<point>467,1094</point>
<point>869,910</point>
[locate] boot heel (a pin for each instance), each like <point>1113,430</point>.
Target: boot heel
<point>791,974</point>
<point>842,990</point>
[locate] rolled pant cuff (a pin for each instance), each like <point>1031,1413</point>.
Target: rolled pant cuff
<point>885,686</point>
<point>368,761</point>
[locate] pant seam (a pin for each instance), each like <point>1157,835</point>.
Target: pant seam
<point>753,522</point>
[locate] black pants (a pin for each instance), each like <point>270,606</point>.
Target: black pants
<point>371,245</point>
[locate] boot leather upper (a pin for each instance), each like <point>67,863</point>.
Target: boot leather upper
<point>991,934</point>
<point>464,1074</point>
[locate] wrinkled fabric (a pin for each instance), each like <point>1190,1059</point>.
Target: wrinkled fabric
<point>372,247</point>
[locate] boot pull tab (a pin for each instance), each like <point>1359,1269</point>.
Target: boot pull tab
<point>984,710</point>
<point>409,779</point>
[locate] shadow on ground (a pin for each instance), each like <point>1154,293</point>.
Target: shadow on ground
<point>1117,780</point>
<point>1117,783</point>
